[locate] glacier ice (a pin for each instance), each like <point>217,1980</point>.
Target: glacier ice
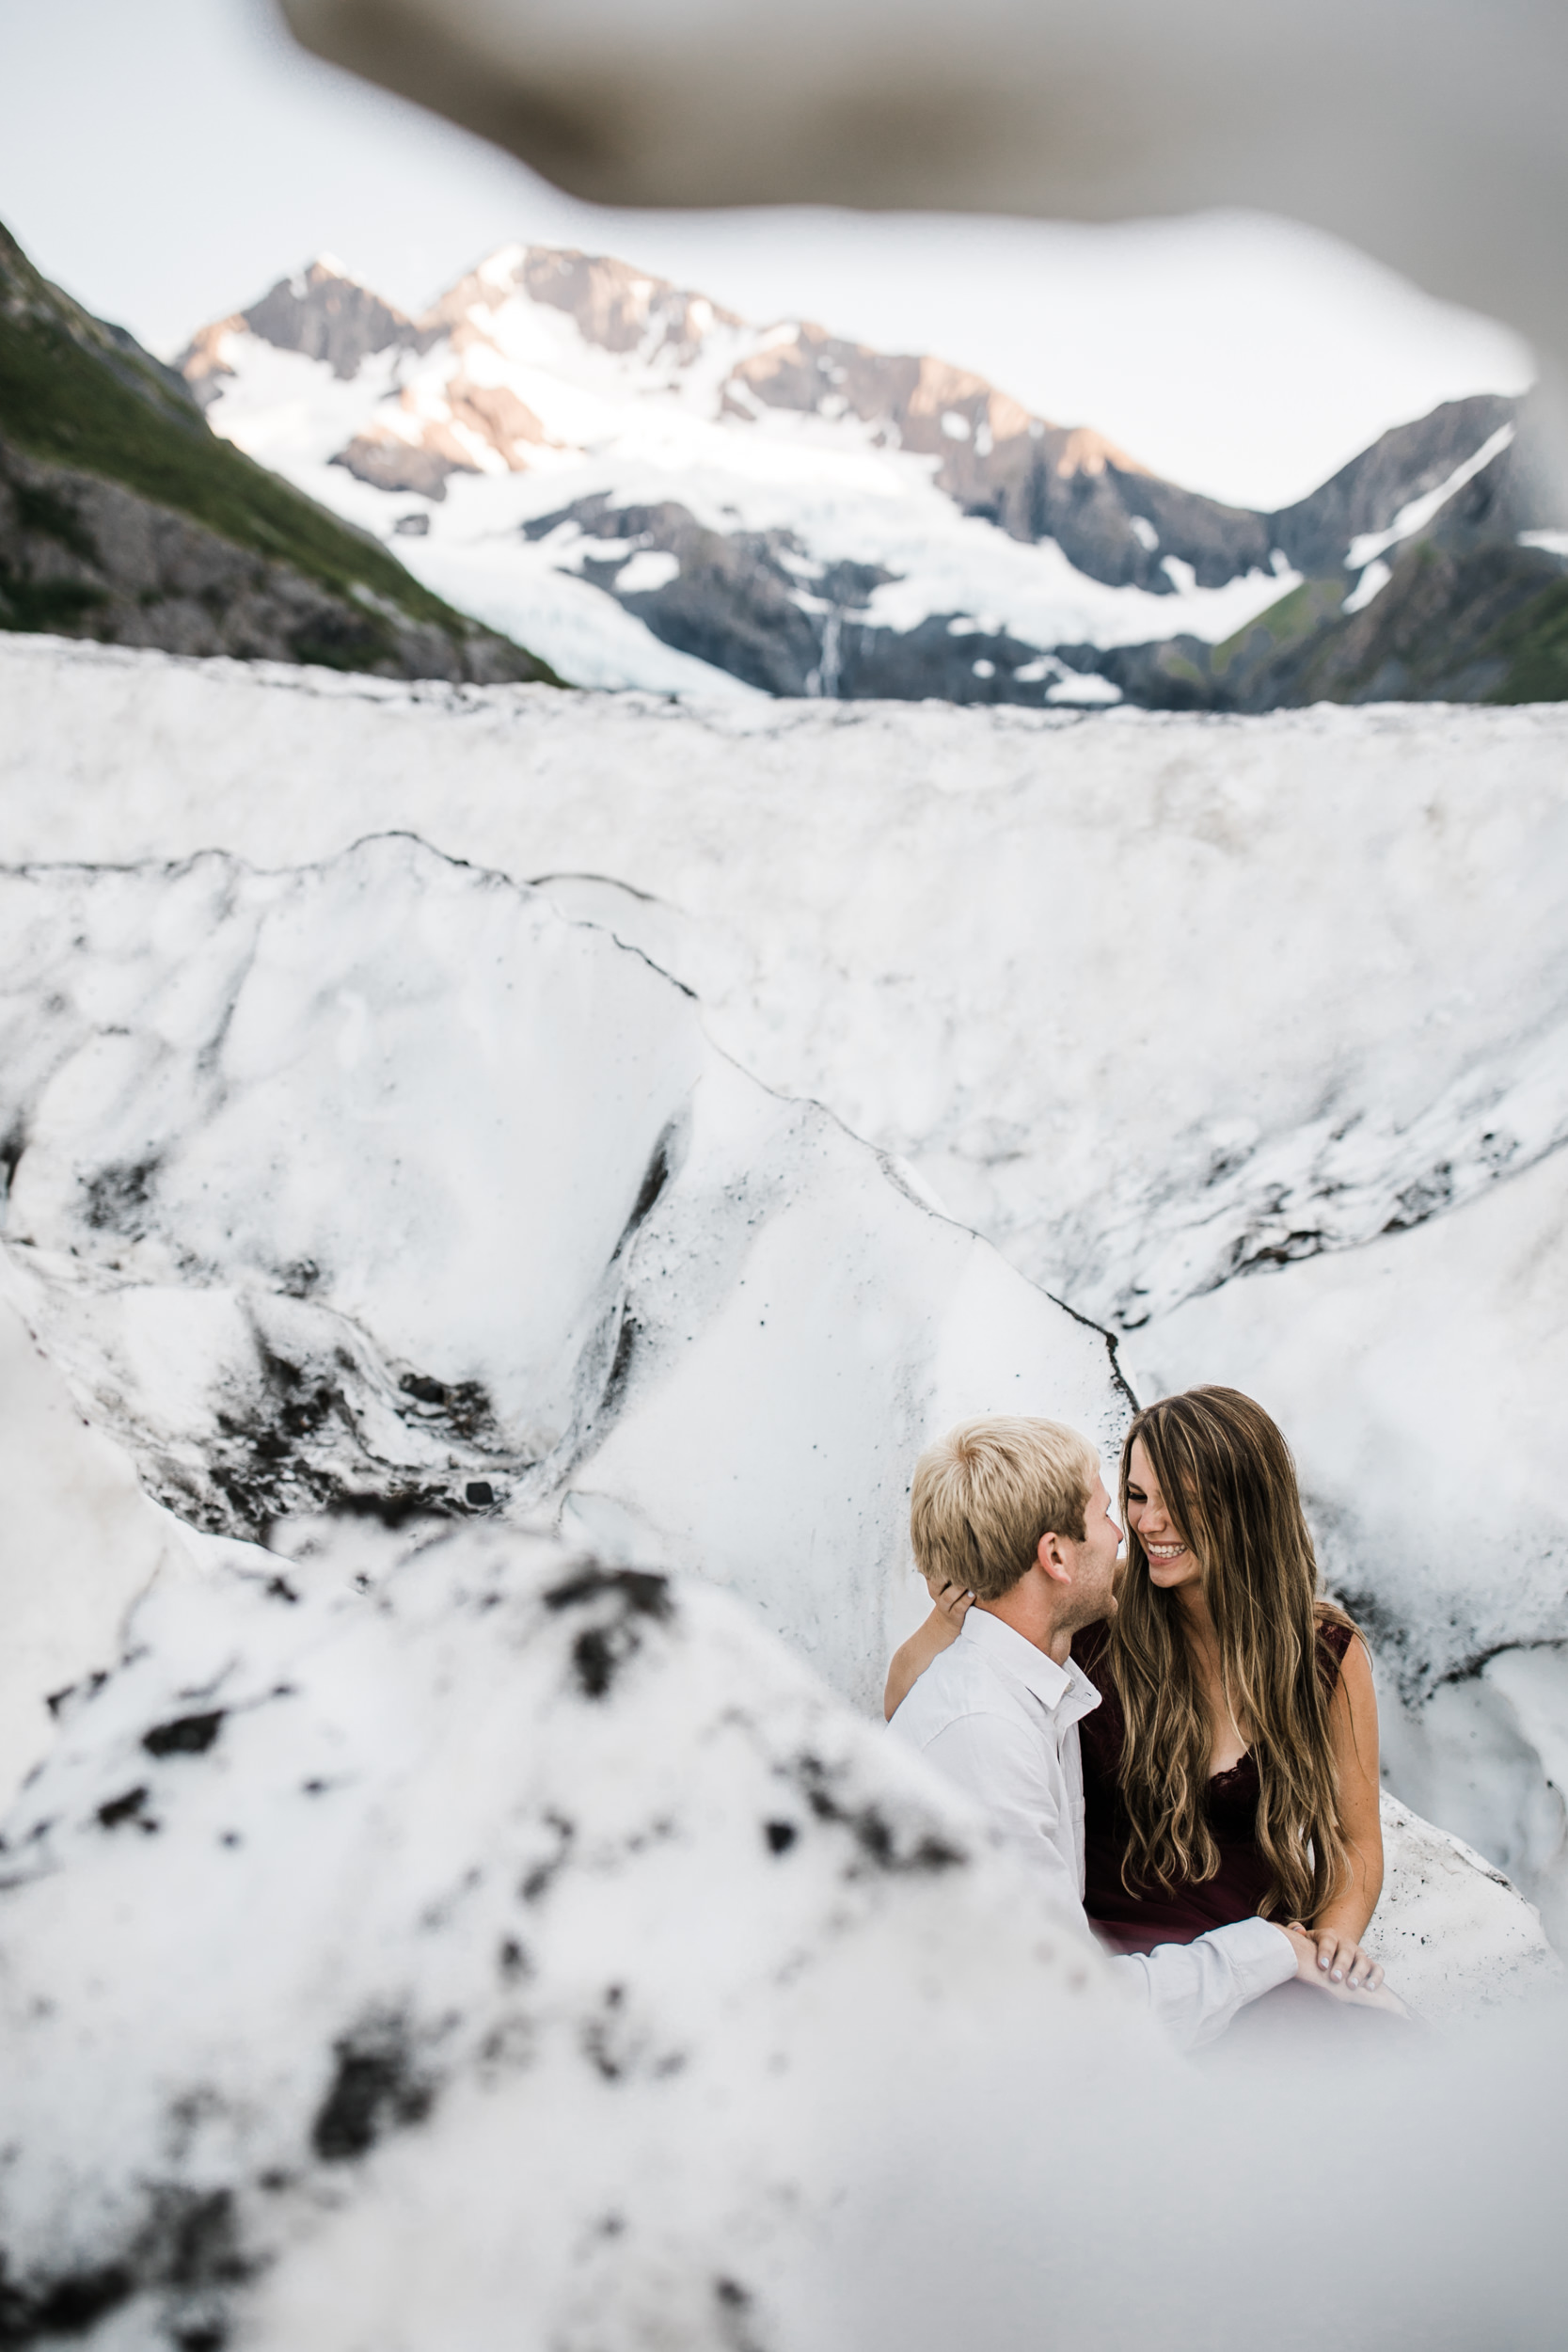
<point>386,1177</point>
<point>82,1543</point>
<point>357,1174</point>
<point>1431,1461</point>
<point>448,1936</point>
<point>455,1874</point>
<point>1352,915</point>
<point>1267,952</point>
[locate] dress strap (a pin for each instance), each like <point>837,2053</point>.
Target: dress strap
<point>1334,1640</point>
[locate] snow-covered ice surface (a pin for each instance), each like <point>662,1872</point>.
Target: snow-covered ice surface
<point>445,1938</point>
<point>82,1543</point>
<point>386,1177</point>
<point>1143,999</point>
<point>1451,1927</point>
<point>510,1937</point>
<point>386,1180</point>
<point>1431,1457</point>
<point>570,1882</point>
<point>1441,1430</point>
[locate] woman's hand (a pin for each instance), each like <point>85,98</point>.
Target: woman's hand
<point>951,1599</point>
<point>1343,1960</point>
<point>1366,1990</point>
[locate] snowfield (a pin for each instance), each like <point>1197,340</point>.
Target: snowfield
<point>1143,999</point>
<point>546,382</point>
<point>539,1110</point>
<point>575,1872</point>
<point>1436,1446</point>
<point>510,1945</point>
<point>387,1178</point>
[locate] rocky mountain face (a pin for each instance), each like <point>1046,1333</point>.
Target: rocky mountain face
<point>998,464</point>
<point>82,557</point>
<point>592,457</point>
<point>123,517</point>
<point>1462,594</point>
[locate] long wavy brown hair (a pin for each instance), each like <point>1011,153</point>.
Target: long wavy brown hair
<point>1229,1484</point>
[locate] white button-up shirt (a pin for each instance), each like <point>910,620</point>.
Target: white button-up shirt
<point>1000,1718</point>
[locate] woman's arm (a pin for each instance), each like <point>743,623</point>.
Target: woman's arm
<point>1353,1719</point>
<point>912,1658</point>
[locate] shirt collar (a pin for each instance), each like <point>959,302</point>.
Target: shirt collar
<point>1040,1675</point>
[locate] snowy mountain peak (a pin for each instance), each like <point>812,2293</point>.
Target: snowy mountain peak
<point>324,266</point>
<point>659,331</point>
<point>659,493</point>
<point>321,312</point>
<point>328,316</point>
<point>617,307</point>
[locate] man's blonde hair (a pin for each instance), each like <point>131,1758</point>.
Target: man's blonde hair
<point>985,1493</point>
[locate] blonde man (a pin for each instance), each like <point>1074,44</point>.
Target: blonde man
<point>1014,1513</point>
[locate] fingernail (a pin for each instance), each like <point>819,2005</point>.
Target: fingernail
<point>1337,1974</point>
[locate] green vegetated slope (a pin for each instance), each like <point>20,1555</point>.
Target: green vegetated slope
<point>1454,623</point>
<point>1533,644</point>
<point>1467,611</point>
<point>82,406</point>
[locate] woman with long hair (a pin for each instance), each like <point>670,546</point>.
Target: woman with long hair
<point>1232,1767</point>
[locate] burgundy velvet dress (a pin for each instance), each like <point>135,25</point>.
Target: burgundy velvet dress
<point>1133,1923</point>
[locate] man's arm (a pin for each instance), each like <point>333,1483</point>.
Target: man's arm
<point>1007,1770</point>
<point>1194,1989</point>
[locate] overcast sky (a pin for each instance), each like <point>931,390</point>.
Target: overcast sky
<point>167,160</point>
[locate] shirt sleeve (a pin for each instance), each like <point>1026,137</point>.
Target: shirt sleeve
<point>1192,1990</point>
<point>1004,1768</point>
<point>1195,1989</point>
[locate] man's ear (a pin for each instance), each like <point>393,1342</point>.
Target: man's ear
<point>1051,1557</point>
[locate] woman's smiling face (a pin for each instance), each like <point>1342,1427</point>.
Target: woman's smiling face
<point>1170,1563</point>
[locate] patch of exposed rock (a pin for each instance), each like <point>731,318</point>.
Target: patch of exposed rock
<point>82,557</point>
<point>123,517</point>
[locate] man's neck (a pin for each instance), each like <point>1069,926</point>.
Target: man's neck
<point>1028,1610</point>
